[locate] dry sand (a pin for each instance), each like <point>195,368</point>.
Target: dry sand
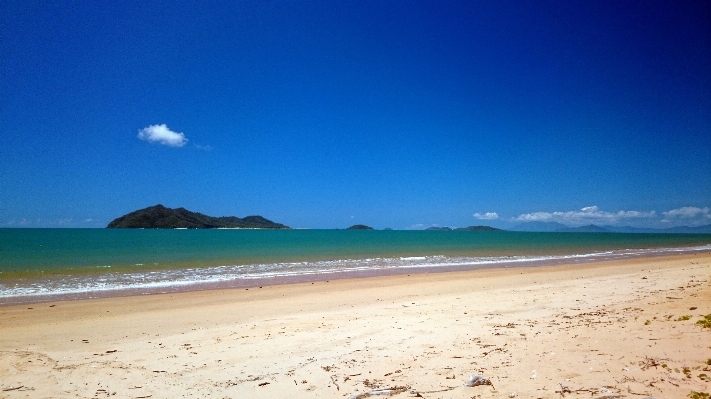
<point>601,330</point>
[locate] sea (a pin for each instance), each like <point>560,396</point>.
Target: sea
<point>41,265</point>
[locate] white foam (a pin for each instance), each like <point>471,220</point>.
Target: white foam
<point>154,280</point>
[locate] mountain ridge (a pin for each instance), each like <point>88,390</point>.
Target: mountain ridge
<point>559,227</point>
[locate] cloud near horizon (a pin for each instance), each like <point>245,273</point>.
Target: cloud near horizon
<point>687,212</point>
<point>486,216</point>
<point>586,215</point>
<point>163,135</point>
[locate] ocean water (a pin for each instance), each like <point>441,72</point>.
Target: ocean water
<point>49,264</point>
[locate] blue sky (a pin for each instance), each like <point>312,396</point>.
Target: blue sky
<point>324,114</point>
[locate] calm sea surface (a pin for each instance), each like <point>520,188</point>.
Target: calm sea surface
<point>49,264</point>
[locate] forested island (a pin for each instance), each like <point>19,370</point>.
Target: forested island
<point>161,217</point>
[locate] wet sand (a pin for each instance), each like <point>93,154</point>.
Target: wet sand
<point>602,330</point>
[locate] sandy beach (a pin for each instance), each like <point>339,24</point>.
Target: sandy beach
<point>602,330</point>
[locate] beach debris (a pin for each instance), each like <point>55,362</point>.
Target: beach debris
<point>649,362</point>
<point>563,389</point>
<point>382,392</point>
<point>476,380</point>
<point>533,374</point>
<point>512,395</point>
<point>334,380</point>
<point>593,391</point>
<point>263,384</point>
<point>705,322</point>
<point>13,388</point>
<point>493,350</point>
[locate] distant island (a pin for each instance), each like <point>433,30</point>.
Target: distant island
<point>591,228</point>
<point>360,227</point>
<point>160,217</point>
<point>470,228</point>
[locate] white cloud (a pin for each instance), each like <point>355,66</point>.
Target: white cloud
<point>586,215</point>
<point>161,134</point>
<point>534,217</point>
<point>486,216</point>
<point>688,212</point>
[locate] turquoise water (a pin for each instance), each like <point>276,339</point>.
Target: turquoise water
<point>36,262</point>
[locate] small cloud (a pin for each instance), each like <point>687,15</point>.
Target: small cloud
<point>163,135</point>
<point>19,222</point>
<point>486,216</point>
<point>203,147</point>
<point>688,212</point>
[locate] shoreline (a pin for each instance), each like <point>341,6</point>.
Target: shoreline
<point>602,328</point>
<point>313,277</point>
<point>320,276</point>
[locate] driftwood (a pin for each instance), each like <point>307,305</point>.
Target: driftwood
<point>473,381</point>
<point>593,391</point>
<point>384,392</point>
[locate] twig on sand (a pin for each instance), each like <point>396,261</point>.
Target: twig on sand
<point>493,350</point>
<point>563,389</point>
<point>649,362</point>
<point>13,388</point>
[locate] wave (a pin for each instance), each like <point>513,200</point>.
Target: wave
<point>186,279</point>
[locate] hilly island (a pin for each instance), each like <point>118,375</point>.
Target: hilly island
<point>160,217</point>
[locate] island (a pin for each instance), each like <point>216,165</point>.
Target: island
<point>477,228</point>
<point>470,228</point>
<point>360,227</point>
<point>591,228</point>
<point>161,217</point>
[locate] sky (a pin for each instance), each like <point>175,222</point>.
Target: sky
<point>324,114</point>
